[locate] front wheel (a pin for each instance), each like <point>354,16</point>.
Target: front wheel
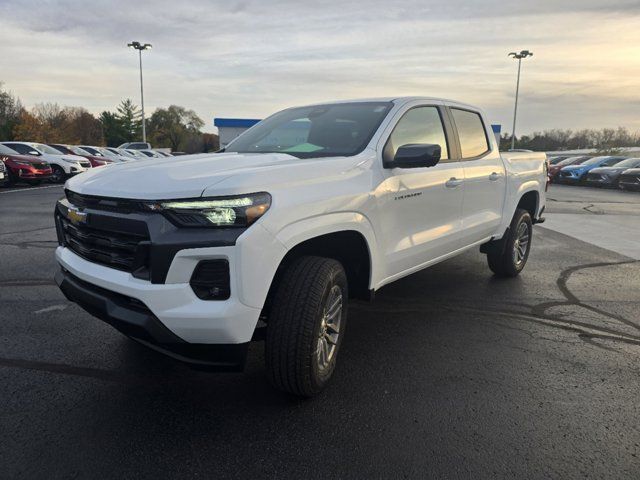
<point>58,175</point>
<point>306,325</point>
<point>510,260</point>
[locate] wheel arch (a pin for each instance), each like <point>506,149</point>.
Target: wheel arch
<point>347,238</point>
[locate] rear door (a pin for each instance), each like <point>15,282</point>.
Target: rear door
<point>419,208</point>
<point>484,175</point>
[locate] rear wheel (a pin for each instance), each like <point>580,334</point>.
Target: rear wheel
<point>306,325</point>
<point>58,174</point>
<point>510,260</point>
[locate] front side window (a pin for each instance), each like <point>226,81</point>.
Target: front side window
<point>421,125</point>
<point>471,132</point>
<point>340,129</point>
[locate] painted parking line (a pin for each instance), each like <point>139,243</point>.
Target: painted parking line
<point>30,189</point>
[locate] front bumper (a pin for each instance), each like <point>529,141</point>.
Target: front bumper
<point>570,178</point>
<point>32,174</point>
<point>134,319</point>
<point>599,180</point>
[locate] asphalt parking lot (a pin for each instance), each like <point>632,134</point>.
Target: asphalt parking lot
<point>449,373</point>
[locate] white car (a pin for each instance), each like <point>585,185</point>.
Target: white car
<point>103,152</point>
<point>63,165</point>
<point>151,153</point>
<point>308,208</point>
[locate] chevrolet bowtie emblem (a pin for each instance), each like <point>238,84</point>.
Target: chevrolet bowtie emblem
<point>76,216</point>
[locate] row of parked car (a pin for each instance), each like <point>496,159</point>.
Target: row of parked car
<point>604,171</point>
<point>33,163</point>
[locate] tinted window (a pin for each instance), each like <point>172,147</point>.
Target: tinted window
<point>629,163</point>
<point>473,137</point>
<point>419,125</point>
<point>612,161</point>
<point>341,129</point>
<point>18,147</point>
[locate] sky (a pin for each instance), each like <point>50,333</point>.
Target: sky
<point>250,58</point>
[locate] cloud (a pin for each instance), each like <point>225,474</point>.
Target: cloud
<point>249,58</point>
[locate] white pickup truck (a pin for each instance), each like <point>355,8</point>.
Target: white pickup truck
<point>198,255</point>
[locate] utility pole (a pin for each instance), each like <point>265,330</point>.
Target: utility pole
<point>140,47</point>
<point>519,57</point>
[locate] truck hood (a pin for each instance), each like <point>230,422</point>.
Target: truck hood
<point>189,176</point>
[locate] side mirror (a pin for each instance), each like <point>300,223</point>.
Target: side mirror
<point>34,153</point>
<point>416,155</point>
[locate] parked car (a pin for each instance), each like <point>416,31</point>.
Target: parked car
<point>609,176</point>
<point>558,159</point>
<point>118,153</point>
<point>286,226</point>
<point>22,168</point>
<point>554,170</point>
<point>630,179</point>
<point>151,153</point>
<point>95,160</point>
<point>137,154</point>
<point>135,146</point>
<point>574,174</point>
<point>104,152</point>
<point>63,166</point>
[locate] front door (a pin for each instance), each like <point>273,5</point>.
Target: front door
<point>420,208</point>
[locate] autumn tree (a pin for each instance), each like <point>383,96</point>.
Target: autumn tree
<point>174,127</point>
<point>10,112</point>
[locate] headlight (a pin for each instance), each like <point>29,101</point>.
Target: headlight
<point>26,164</point>
<point>69,160</point>
<point>232,211</point>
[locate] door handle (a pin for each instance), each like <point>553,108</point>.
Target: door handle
<point>453,182</point>
<point>494,176</point>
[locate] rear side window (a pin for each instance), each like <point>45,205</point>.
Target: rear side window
<point>18,147</point>
<point>473,136</point>
<point>419,125</point>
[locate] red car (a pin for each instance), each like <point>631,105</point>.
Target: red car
<point>22,168</point>
<point>71,150</point>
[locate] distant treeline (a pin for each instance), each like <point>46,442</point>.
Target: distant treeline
<point>174,127</point>
<point>604,140</point>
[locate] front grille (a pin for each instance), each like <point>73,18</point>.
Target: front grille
<point>41,166</point>
<point>103,203</point>
<point>123,251</point>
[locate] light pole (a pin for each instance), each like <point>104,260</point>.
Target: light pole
<point>140,47</point>
<point>519,56</point>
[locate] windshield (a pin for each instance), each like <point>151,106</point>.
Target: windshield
<point>6,150</point>
<point>613,161</point>
<point>77,151</point>
<point>91,151</point>
<point>341,129</point>
<point>629,163</point>
<point>46,149</point>
<point>593,161</point>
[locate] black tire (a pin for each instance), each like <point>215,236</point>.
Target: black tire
<point>502,261</point>
<point>9,180</point>
<point>296,327</point>
<point>58,174</point>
